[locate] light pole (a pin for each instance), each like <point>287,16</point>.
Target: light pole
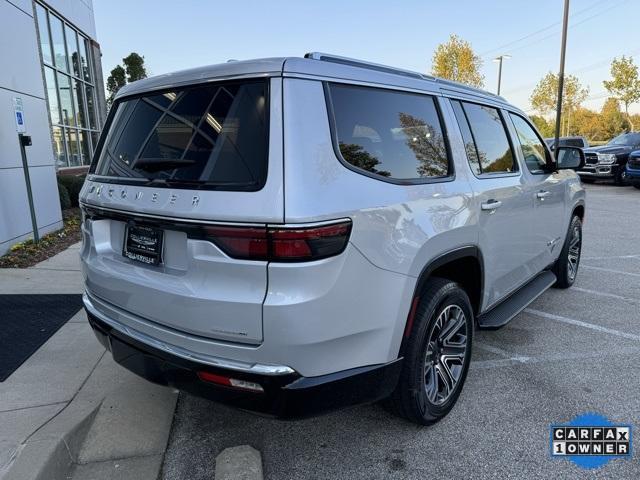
<point>499,60</point>
<point>563,48</point>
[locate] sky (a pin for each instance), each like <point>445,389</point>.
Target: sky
<point>402,33</point>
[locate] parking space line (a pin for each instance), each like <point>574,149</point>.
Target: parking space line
<point>614,257</point>
<point>604,294</point>
<point>618,272</point>
<point>557,357</point>
<point>580,323</point>
<point>498,351</point>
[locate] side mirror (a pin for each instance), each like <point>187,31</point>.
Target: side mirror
<point>569,158</point>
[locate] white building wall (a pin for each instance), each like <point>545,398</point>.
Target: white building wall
<point>77,12</point>
<point>21,76</point>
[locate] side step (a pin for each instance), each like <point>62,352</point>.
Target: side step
<point>502,313</point>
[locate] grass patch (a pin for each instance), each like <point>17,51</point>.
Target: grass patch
<point>27,253</point>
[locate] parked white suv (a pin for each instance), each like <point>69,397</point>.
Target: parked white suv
<point>292,235</point>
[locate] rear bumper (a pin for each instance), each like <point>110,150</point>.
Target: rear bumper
<point>285,395</point>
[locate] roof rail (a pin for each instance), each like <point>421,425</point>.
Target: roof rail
<point>462,86</point>
<point>326,57</point>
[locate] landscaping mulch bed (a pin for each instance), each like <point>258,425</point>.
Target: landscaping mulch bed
<point>27,254</point>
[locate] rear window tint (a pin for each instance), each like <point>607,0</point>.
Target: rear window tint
<point>389,134</point>
<point>213,135</point>
<point>573,142</point>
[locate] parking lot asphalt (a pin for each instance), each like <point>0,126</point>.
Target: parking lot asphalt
<point>572,351</point>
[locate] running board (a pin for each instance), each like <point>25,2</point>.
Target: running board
<point>511,306</point>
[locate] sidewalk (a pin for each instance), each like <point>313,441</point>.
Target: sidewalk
<point>69,411</point>
<point>59,274</point>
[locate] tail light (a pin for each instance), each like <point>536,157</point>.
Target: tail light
<point>240,242</point>
<point>278,244</point>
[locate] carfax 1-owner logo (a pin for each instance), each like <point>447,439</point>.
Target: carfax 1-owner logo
<point>590,440</point>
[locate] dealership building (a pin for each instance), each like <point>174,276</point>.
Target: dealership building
<point>51,90</point>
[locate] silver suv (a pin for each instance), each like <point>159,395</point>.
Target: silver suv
<point>293,235</point>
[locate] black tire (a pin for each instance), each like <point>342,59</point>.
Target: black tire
<point>439,308</point>
<point>619,178</point>
<point>565,274</point>
<point>587,180</point>
<point>637,185</point>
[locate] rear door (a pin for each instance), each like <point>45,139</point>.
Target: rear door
<point>172,167</point>
<point>504,212</point>
<point>545,190</point>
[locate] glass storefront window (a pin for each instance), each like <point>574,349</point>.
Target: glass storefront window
<point>72,143</point>
<point>43,30</point>
<point>95,136</point>
<point>84,47</point>
<point>58,147</point>
<point>83,140</point>
<point>52,94</point>
<point>72,50</point>
<point>66,103</point>
<point>71,96</point>
<point>57,37</point>
<point>78,102</point>
<point>91,107</point>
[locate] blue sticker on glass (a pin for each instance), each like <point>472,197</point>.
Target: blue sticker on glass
<point>591,440</point>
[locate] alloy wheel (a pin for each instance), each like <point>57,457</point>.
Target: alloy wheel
<point>446,350</point>
<point>573,256</point>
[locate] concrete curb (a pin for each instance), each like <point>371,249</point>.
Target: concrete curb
<point>102,432</point>
<point>239,463</point>
<point>47,456</point>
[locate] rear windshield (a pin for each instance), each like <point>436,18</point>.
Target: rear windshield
<point>572,142</point>
<point>208,136</point>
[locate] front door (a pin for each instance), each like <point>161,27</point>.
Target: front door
<point>504,210</point>
<point>544,190</point>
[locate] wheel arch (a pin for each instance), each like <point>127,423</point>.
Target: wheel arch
<point>463,265</point>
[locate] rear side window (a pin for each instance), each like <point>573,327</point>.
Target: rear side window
<point>208,136</point>
<point>389,134</point>
<point>485,130</point>
<point>533,150</point>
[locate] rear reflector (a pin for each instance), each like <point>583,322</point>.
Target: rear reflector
<point>279,244</point>
<point>412,315</point>
<point>230,382</point>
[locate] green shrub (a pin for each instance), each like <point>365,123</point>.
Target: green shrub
<point>73,185</point>
<point>63,192</point>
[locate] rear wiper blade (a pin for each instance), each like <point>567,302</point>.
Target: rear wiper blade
<point>159,164</point>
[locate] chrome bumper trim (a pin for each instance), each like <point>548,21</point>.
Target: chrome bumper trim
<point>257,368</point>
<point>586,173</point>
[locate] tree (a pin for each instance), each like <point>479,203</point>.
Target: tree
<point>357,156</point>
<point>612,121</point>
<point>456,60</point>
<point>134,66</point>
<point>133,70</point>
<point>543,125</point>
<point>545,96</point>
<point>116,80</point>
<point>624,84</point>
<point>427,145</point>
<point>586,123</point>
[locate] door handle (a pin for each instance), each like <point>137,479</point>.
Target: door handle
<point>542,194</point>
<point>491,205</point>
